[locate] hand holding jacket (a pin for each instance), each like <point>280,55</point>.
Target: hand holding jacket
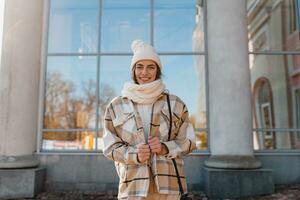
<point>125,143</point>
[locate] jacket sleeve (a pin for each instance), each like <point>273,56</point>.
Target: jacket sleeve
<point>114,147</point>
<point>184,142</point>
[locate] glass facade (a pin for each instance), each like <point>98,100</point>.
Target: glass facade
<point>88,59</point>
<point>274,45</point>
<point>73,26</point>
<point>122,22</point>
<point>89,56</point>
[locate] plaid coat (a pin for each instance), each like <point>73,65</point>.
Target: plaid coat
<point>123,131</point>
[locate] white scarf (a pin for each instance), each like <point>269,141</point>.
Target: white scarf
<point>144,93</point>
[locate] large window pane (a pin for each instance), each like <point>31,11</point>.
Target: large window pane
<point>184,76</point>
<point>114,72</point>
<point>201,139</point>
<point>273,25</point>
<point>70,100</point>
<point>100,142</point>
<point>270,140</point>
<point>178,25</point>
<point>122,22</point>
<point>79,140</point>
<point>275,81</point>
<point>73,26</point>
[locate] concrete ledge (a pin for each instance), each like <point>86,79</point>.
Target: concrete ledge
<point>26,161</point>
<point>232,162</point>
<point>224,183</point>
<point>21,183</point>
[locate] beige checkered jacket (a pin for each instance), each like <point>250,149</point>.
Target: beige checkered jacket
<point>123,131</point>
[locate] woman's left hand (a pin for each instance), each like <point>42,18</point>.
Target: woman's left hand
<point>156,146</point>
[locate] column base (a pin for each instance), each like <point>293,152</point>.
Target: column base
<point>227,184</point>
<point>16,162</point>
<point>21,183</point>
<point>232,162</point>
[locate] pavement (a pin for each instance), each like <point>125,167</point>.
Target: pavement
<point>282,192</point>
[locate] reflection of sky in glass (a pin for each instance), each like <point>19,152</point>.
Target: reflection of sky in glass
<point>74,69</point>
<point>115,71</point>
<point>180,79</point>
<point>178,74</point>
<point>174,23</point>
<point>73,26</point>
<point>123,22</point>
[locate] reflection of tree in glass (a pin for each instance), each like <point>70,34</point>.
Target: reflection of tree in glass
<point>64,109</point>
<point>68,107</point>
<point>107,93</point>
<point>57,98</point>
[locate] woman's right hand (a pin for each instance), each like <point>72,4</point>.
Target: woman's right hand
<point>143,152</point>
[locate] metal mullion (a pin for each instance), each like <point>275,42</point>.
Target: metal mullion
<point>276,129</point>
<point>69,152</point>
<point>206,75</point>
<point>277,152</point>
<point>68,130</point>
<point>152,22</point>
<point>198,152</point>
<point>91,54</point>
<point>123,54</point>
<point>42,89</point>
<point>98,75</point>
<point>274,52</point>
<point>115,54</point>
<point>181,53</point>
<point>298,14</point>
<point>72,54</point>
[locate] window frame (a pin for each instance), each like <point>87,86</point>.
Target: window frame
<point>269,52</point>
<point>45,54</point>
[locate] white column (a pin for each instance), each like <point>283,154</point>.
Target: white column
<point>229,86</point>
<point>2,5</point>
<point>19,82</point>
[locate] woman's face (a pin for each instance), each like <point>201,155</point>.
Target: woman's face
<point>145,71</point>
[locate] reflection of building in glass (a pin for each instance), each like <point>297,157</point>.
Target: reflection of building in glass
<point>198,46</point>
<point>88,38</point>
<point>275,78</point>
<point>264,107</point>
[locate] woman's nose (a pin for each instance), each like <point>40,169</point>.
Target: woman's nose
<point>144,71</point>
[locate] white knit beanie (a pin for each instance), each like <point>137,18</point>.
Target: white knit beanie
<point>143,51</point>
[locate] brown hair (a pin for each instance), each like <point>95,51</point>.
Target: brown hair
<point>158,74</point>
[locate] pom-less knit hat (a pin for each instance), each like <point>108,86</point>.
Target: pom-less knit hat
<point>143,51</point>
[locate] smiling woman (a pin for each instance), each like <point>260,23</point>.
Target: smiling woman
<point>147,131</point>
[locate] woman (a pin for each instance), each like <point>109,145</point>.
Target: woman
<point>138,134</point>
